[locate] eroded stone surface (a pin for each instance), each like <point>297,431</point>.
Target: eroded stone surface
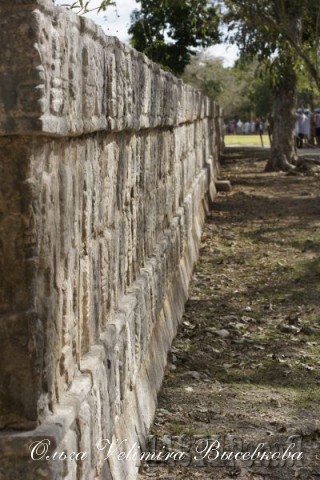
<point>107,165</point>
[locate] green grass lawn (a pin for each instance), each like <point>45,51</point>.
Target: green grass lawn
<point>253,140</point>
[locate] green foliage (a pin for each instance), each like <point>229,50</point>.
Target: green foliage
<point>238,89</point>
<point>260,95</point>
<point>207,74</point>
<point>84,6</point>
<point>308,94</point>
<point>281,34</point>
<point>169,31</point>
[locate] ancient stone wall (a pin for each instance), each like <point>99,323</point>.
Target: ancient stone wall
<point>107,165</point>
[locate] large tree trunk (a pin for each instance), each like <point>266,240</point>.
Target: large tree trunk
<point>283,147</point>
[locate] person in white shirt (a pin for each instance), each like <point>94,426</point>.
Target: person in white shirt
<point>239,126</point>
<point>306,128</point>
<point>247,127</point>
<point>301,120</point>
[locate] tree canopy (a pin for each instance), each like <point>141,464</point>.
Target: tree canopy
<point>250,93</point>
<point>264,41</point>
<point>168,31</point>
<point>267,28</point>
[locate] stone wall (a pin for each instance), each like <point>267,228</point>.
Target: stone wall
<point>107,165</point>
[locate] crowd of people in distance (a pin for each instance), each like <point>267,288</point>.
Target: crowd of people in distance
<point>307,127</point>
<point>249,127</point>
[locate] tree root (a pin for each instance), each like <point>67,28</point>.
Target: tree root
<point>279,163</point>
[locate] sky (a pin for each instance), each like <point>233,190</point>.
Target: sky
<point>116,21</point>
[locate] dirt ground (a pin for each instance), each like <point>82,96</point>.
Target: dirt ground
<point>243,372</point>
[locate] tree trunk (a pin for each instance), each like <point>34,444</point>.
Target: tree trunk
<point>283,147</point>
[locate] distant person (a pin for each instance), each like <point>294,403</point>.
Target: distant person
<point>312,128</point>
<point>317,125</point>
<point>239,127</point>
<point>307,125</point>
<point>302,128</point>
<point>247,127</point>
<point>269,124</point>
<point>253,126</point>
<point>261,130</point>
<point>257,129</point>
<point>261,126</point>
<point>296,130</point>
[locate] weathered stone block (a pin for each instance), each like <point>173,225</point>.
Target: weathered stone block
<point>107,164</point>
<point>223,186</point>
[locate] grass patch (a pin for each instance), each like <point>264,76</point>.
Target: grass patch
<point>310,395</point>
<point>253,140</point>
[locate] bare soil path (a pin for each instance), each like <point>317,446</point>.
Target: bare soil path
<point>244,370</point>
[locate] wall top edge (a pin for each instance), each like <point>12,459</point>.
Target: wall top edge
<point>61,75</point>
